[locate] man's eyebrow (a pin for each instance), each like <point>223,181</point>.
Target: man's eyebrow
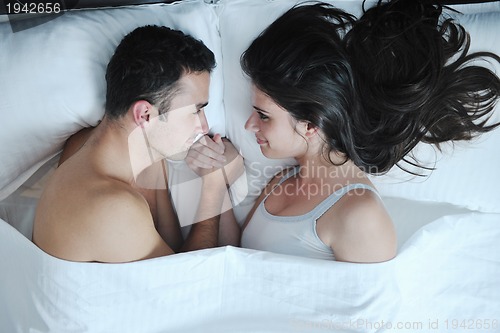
<point>201,105</point>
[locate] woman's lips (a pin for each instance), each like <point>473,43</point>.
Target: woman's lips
<point>261,141</point>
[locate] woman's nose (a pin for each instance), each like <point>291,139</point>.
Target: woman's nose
<point>252,123</point>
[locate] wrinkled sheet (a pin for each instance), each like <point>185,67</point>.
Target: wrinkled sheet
<point>449,271</point>
<point>449,275</point>
<point>220,290</point>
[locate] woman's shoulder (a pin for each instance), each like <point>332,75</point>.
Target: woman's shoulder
<point>361,204</point>
<point>361,229</point>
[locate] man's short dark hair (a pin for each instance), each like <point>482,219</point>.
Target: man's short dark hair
<point>147,64</point>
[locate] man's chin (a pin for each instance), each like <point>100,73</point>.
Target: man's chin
<point>180,156</point>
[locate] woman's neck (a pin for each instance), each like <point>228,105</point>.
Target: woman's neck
<point>318,168</point>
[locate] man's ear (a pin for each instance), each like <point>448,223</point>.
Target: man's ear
<point>141,112</point>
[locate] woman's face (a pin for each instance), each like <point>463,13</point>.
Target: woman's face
<point>274,128</point>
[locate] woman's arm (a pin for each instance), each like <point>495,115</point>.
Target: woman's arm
<point>205,156</point>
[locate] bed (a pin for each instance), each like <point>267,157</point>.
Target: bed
<point>446,277</point>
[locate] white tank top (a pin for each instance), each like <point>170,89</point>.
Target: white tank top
<point>293,235</point>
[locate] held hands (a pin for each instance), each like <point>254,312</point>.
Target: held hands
<point>219,164</point>
<point>206,155</point>
<point>214,154</point>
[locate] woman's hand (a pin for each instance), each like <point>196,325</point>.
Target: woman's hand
<point>219,164</point>
<point>211,154</point>
<point>206,155</point>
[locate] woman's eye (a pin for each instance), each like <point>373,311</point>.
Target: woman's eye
<point>262,116</point>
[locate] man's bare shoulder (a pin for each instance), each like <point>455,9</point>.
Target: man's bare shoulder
<point>118,194</point>
<point>109,222</point>
<point>123,228</point>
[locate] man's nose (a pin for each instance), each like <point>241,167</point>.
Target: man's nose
<point>203,122</point>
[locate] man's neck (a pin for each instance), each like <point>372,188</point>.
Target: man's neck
<point>120,150</point>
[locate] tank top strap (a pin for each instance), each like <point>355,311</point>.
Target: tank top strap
<point>326,204</point>
<point>292,172</point>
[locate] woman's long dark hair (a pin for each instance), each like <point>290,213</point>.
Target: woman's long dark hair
<point>376,86</point>
<point>301,63</point>
<point>415,82</point>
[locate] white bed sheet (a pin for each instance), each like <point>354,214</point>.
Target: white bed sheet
<point>220,290</point>
<point>448,271</point>
<point>449,274</point>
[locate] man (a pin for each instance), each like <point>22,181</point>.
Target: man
<point>92,208</point>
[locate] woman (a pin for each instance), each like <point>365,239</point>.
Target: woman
<point>347,104</point>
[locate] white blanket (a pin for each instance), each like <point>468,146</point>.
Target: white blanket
<point>449,272</point>
<point>449,275</point>
<point>224,289</point>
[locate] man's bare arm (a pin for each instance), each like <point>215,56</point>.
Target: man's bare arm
<point>154,187</point>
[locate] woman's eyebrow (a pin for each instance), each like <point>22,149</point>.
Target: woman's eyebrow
<point>260,110</point>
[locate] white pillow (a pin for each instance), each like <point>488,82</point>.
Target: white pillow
<point>53,77</point>
<point>465,176</point>
<point>476,8</point>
